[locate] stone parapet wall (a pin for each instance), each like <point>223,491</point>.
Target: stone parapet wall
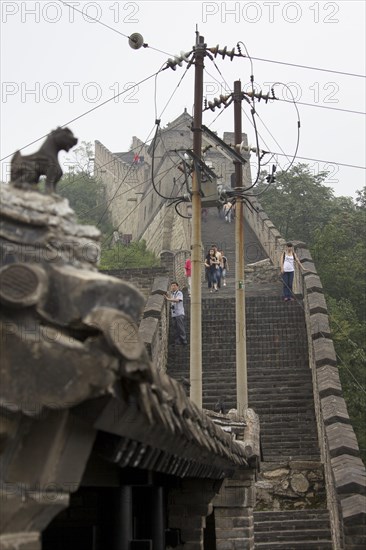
<point>344,471</point>
<point>154,326</point>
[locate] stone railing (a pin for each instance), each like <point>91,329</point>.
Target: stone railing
<point>344,470</point>
<point>154,325</point>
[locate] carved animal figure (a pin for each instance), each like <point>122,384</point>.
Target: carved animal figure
<point>26,170</point>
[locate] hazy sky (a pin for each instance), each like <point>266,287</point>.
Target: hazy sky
<point>56,65</point>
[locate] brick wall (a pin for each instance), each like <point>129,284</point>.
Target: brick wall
<point>142,278</point>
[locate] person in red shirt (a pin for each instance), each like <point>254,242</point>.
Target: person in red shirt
<point>188,272</point>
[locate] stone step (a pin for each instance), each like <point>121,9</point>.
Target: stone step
<point>292,529</point>
<point>301,545</point>
<point>319,514</point>
<point>300,535</point>
<point>273,459</point>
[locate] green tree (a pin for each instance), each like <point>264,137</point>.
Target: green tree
<point>86,194</point>
<point>297,202</point>
<point>128,256</point>
<point>339,252</point>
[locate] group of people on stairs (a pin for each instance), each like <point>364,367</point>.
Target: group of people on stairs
<point>216,266</point>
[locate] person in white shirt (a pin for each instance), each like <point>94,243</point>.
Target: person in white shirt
<point>177,312</point>
<point>228,211</point>
<point>288,261</point>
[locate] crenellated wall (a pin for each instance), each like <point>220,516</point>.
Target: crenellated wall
<point>344,470</point>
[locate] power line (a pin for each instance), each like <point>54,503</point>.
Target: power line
<point>325,161</point>
<point>109,27</point>
<point>86,113</point>
<point>308,67</point>
<point>324,107</point>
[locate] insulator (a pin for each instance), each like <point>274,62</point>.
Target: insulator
<point>215,51</point>
<point>178,60</point>
<point>223,52</point>
<point>231,54</point>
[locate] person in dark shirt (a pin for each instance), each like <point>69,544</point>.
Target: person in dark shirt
<point>212,264</point>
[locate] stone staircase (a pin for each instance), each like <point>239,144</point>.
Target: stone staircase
<point>279,390</point>
<point>279,379</point>
<point>302,529</point>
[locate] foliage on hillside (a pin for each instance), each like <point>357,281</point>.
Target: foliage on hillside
<point>123,256</point>
<point>334,228</point>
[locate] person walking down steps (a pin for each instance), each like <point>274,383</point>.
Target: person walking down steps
<point>287,262</point>
<point>177,314</point>
<point>224,267</point>
<point>212,264</point>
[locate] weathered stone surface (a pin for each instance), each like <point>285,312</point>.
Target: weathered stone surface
<point>74,293</point>
<point>43,229</point>
<point>154,306</point>
<point>160,285</point>
<point>334,409</point>
<point>349,474</point>
<point>341,440</point>
<point>317,303</point>
<point>328,381</point>
<point>299,483</point>
<point>324,352</point>
<point>261,272</point>
<point>280,488</point>
<point>119,330</point>
<point>319,325</point>
<point>22,285</point>
<point>148,329</point>
<point>312,283</point>
<point>47,366</point>
<point>30,512</point>
<point>21,541</point>
<point>354,510</point>
<point>275,473</point>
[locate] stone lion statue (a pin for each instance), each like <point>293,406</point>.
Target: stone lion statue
<point>26,170</point>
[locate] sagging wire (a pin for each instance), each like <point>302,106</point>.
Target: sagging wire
<point>256,132</point>
<point>298,121</point>
<point>157,122</point>
<point>179,214</point>
<point>253,110</point>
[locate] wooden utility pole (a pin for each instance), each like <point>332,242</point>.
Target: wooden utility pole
<point>241,345</point>
<point>196,252</point>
